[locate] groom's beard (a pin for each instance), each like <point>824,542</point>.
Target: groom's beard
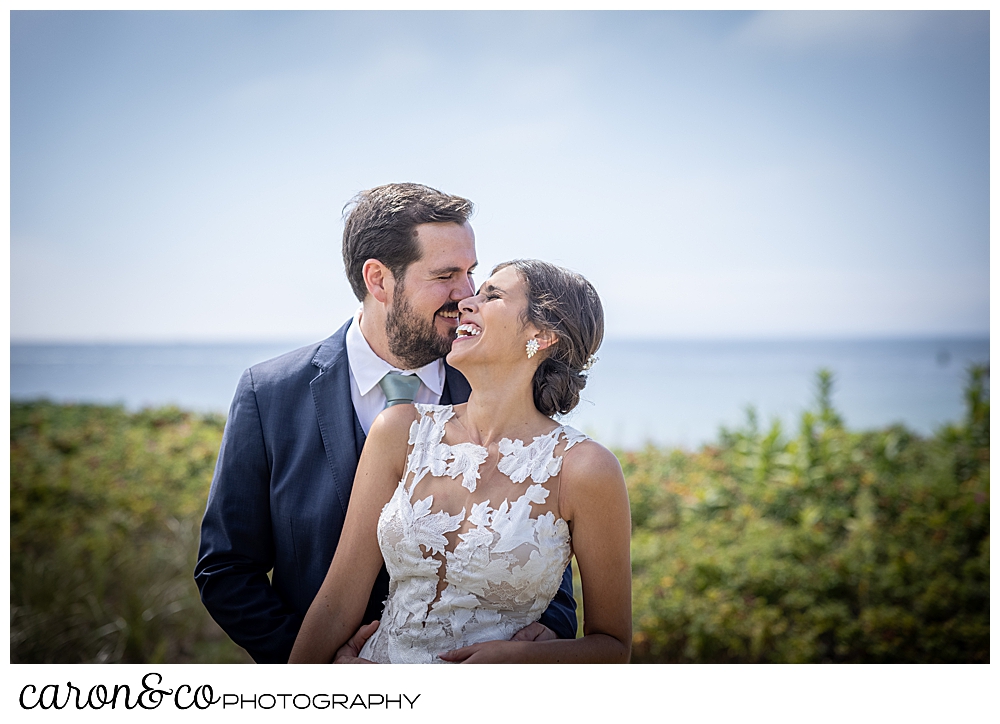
<point>414,341</point>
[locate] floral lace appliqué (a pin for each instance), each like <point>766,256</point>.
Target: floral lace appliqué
<point>536,460</point>
<point>466,458</point>
<point>573,436</point>
<point>504,566</point>
<point>428,454</point>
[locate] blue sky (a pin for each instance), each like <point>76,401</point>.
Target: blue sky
<point>180,176</point>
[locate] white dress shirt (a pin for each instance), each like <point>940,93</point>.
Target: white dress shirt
<point>367,368</point>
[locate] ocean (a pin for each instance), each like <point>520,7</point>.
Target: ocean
<point>664,392</point>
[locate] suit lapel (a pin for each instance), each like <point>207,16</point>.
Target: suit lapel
<point>331,391</point>
<point>456,387</point>
<point>338,426</point>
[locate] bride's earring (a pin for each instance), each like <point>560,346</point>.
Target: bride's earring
<point>531,347</point>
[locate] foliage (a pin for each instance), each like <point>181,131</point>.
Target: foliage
<point>105,508</point>
<point>830,546</point>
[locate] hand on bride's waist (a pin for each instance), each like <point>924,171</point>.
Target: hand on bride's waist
<point>350,653</point>
<point>501,652</point>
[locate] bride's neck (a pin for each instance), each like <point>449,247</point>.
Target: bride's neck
<point>502,407</point>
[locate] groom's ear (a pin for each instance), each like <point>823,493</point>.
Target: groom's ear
<point>378,280</point>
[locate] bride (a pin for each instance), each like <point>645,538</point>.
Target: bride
<point>477,508</point>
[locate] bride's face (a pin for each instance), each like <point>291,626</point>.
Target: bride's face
<point>491,324</point>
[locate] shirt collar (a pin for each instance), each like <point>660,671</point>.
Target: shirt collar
<point>368,368</point>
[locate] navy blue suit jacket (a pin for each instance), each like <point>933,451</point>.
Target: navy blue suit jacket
<point>279,497</point>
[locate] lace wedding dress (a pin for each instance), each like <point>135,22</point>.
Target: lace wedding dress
<point>472,541</point>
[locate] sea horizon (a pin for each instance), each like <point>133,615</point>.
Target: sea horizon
<point>663,391</point>
<point>846,337</point>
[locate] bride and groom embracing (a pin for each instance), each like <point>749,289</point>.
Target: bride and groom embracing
<point>443,528</point>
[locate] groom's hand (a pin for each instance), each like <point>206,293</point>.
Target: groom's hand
<point>350,653</point>
<point>500,652</point>
<point>535,632</point>
<point>488,652</point>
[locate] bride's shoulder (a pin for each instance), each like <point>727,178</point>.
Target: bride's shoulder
<point>593,486</point>
<point>588,461</point>
<point>392,424</point>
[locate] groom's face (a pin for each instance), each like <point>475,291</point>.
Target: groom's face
<point>423,313</point>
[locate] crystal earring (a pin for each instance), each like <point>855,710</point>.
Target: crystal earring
<point>531,347</point>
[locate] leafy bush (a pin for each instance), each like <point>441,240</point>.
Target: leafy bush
<point>105,509</point>
<point>830,546</point>
<point>827,546</point>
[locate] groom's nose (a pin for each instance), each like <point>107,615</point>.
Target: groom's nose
<point>463,289</point>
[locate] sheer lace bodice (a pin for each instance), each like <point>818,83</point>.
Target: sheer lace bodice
<point>472,540</point>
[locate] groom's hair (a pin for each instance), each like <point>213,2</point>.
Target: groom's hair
<point>381,224</point>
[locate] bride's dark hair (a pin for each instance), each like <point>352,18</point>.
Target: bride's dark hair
<point>565,303</point>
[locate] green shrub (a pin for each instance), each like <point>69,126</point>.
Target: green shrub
<point>105,509</point>
<point>830,546</point>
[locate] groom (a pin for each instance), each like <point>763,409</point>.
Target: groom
<point>298,423</point>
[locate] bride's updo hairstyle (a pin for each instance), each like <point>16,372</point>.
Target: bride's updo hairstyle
<point>563,302</point>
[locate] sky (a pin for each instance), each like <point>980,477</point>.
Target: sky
<point>180,176</point>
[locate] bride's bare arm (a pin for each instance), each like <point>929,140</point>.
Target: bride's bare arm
<point>595,502</point>
<point>336,612</point>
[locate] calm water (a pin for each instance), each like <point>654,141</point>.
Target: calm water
<point>668,392</point>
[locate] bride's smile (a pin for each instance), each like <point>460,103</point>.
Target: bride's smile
<point>493,323</point>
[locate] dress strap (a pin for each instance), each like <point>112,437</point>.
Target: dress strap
<point>426,433</point>
<point>536,460</point>
<point>572,435</point>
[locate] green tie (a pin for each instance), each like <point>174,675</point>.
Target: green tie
<point>399,388</point>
